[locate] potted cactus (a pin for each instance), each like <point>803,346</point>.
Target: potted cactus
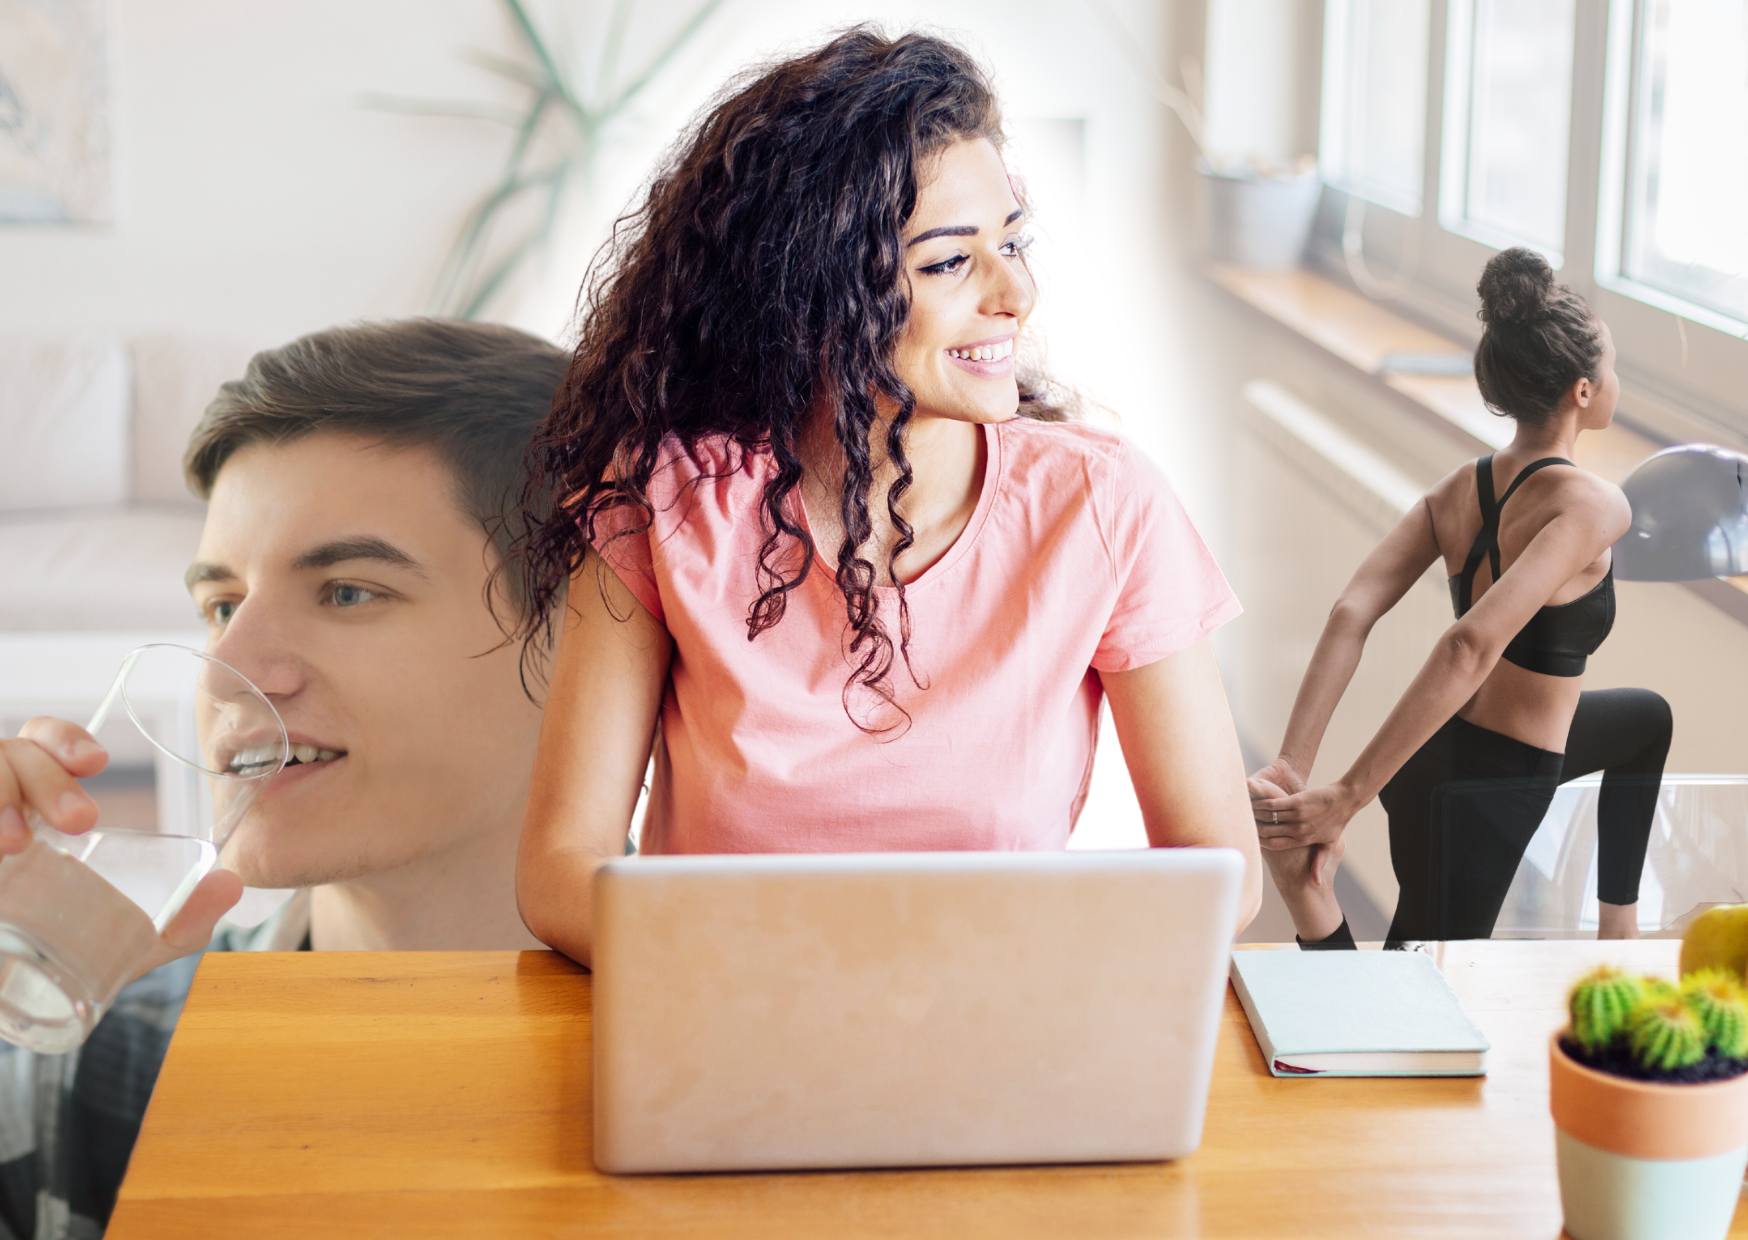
<point>1649,1090</point>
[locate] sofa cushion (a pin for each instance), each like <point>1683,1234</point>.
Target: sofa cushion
<point>102,569</point>
<point>174,378</point>
<point>63,422</point>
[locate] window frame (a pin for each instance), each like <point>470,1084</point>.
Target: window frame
<point>1681,364</point>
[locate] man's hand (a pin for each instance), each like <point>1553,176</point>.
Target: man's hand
<point>40,771</point>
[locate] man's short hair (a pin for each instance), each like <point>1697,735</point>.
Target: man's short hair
<point>474,393</point>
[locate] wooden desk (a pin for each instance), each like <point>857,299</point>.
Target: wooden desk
<point>448,1095</point>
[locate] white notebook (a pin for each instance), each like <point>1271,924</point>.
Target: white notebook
<point>1355,1013</point>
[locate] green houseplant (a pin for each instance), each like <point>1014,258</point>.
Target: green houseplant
<point>555,130</point>
<point>1648,1085</point>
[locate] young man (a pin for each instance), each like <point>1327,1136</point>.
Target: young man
<point>358,482</point>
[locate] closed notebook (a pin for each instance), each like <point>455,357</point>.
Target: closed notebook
<point>1356,1013</point>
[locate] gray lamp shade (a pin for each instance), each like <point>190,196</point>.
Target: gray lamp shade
<point>1690,516</point>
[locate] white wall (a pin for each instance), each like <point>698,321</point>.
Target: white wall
<point>254,195</point>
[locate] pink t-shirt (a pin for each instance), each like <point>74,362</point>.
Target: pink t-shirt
<point>1078,559</point>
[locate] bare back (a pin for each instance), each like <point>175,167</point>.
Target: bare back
<point>1529,706</point>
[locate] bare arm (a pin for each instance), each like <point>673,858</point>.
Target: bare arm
<point>608,678</point>
<point>1589,522</point>
<point>1379,583</point>
<point>1176,730</point>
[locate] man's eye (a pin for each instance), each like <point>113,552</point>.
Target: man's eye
<point>219,612</point>
<point>945,267</point>
<point>342,595</point>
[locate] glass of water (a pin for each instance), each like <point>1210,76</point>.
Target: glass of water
<point>81,915</point>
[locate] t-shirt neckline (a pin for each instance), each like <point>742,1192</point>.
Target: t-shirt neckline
<point>992,468</point>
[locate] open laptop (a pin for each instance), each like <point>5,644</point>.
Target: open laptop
<point>880,1010</point>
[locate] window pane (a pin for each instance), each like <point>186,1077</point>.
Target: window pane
<point>1689,175</point>
<point>1378,91</point>
<point>1520,99</point>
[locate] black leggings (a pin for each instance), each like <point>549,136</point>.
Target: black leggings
<point>1464,807</point>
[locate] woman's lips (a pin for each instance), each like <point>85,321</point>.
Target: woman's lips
<point>986,370</point>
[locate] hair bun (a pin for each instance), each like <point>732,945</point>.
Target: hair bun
<point>1514,285</point>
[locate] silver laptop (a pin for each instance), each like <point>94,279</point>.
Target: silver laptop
<point>884,1010</point>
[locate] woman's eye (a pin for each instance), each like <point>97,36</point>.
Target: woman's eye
<point>342,595</point>
<point>1017,246</point>
<point>946,267</point>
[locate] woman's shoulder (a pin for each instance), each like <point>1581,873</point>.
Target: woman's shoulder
<point>1545,495</point>
<point>1600,503</point>
<point>1088,472</point>
<point>1100,454</point>
<point>711,478</point>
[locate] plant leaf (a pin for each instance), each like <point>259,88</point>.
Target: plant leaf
<point>504,67</point>
<point>456,109</point>
<point>479,218</point>
<point>554,75</point>
<point>680,38</point>
<point>611,46</point>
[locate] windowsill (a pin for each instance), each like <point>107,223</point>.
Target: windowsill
<point>1361,334</point>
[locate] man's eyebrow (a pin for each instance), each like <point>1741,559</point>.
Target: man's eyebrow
<point>958,230</point>
<point>202,571</point>
<point>343,550</point>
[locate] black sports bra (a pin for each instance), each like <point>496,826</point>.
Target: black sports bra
<point>1557,639</point>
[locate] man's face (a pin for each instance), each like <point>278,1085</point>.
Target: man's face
<point>341,576</point>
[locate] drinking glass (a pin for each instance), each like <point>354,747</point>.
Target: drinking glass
<point>81,915</point>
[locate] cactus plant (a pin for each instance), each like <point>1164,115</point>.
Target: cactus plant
<point>1600,1004</point>
<point>1717,998</point>
<point>1665,1035</point>
<point>1651,1029</point>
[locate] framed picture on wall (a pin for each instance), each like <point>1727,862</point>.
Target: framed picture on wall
<point>54,112</point>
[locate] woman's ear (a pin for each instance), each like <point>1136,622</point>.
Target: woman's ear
<point>1581,393</point>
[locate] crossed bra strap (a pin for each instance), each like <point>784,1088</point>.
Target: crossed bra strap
<point>1487,540</point>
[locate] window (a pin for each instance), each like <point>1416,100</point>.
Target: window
<point>1612,135</point>
<point>1511,95</point>
<point>1375,126</point>
<point>1688,168</point>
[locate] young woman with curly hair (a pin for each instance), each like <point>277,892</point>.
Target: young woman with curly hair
<point>1467,763</point>
<point>868,577</point>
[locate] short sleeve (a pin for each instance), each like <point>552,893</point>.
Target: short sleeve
<point>1170,592</point>
<point>627,551</point>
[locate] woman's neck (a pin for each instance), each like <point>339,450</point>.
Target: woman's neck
<point>1556,437</point>
<point>946,463</point>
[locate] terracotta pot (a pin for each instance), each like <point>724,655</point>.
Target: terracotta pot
<point>1645,1161</point>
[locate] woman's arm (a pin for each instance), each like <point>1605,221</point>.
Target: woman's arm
<point>1589,522</point>
<point>1176,730</point>
<point>1379,583</point>
<point>609,674</point>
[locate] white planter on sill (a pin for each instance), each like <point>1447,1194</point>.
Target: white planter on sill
<point>1257,219</point>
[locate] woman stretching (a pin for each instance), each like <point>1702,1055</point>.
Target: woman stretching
<point>1468,761</point>
<point>866,576</point>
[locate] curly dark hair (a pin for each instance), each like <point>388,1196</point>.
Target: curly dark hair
<point>1540,337</point>
<point>760,282</point>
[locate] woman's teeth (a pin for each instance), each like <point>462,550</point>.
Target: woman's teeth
<point>984,352</point>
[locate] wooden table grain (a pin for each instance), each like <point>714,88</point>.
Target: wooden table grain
<point>448,1094</point>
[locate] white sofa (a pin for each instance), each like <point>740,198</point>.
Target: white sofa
<point>96,526</point>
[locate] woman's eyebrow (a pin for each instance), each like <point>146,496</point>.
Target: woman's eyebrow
<point>958,230</point>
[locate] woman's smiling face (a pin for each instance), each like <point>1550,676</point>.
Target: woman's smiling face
<point>970,288</point>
